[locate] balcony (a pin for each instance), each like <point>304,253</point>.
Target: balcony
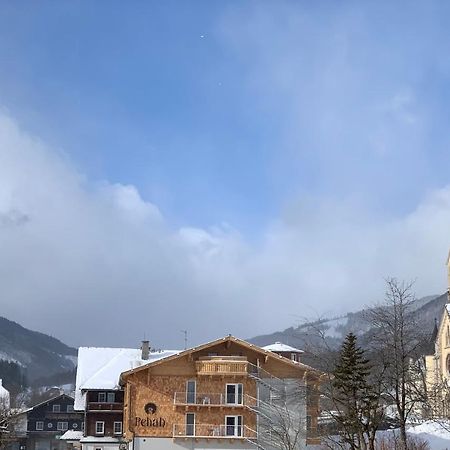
<point>206,431</point>
<point>213,400</point>
<point>222,365</point>
<point>104,406</point>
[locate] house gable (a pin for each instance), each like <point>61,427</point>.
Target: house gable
<point>182,363</point>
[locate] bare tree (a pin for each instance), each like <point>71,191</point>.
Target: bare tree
<point>397,341</point>
<point>12,421</point>
<point>282,423</point>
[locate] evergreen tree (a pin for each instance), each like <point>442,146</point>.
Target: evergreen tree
<point>355,397</point>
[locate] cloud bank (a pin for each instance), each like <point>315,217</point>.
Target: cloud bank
<point>95,264</point>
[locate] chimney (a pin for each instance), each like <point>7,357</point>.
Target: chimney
<point>145,347</point>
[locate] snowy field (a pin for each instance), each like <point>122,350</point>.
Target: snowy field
<point>436,434</point>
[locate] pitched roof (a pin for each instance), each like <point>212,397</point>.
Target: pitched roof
<point>100,368</point>
<point>228,338</point>
<point>49,400</point>
<point>280,347</point>
<point>72,435</point>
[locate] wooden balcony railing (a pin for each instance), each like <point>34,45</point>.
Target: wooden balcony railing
<point>222,366</point>
<point>101,406</point>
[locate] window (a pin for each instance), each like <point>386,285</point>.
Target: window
<point>234,394</point>
<point>102,397</point>
<point>39,426</point>
<point>190,391</point>
<point>233,425</point>
<point>49,425</point>
<point>117,427</point>
<point>98,448</point>
<point>62,426</point>
<point>111,397</point>
<point>69,408</point>
<point>74,426</point>
<point>190,424</point>
<point>82,426</point>
<point>99,427</point>
<point>293,357</point>
<point>56,408</point>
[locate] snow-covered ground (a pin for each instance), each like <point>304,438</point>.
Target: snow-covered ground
<point>437,434</point>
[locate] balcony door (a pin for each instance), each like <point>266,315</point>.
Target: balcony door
<point>233,425</point>
<point>234,394</point>
<point>190,424</point>
<point>190,391</point>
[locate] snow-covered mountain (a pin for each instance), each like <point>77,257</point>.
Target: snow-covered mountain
<point>37,354</point>
<point>335,329</point>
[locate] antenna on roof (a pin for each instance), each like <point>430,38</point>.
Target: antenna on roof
<point>185,338</point>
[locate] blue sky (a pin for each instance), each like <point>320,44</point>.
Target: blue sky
<point>290,142</point>
<point>136,94</point>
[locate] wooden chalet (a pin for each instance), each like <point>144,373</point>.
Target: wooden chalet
<point>224,394</point>
<point>47,421</point>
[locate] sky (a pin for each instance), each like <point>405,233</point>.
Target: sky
<point>218,167</point>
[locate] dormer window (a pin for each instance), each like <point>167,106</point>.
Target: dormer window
<point>56,408</point>
<point>111,397</point>
<point>102,397</point>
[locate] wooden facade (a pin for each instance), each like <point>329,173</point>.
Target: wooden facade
<point>208,392</point>
<point>104,407</point>
<point>47,421</point>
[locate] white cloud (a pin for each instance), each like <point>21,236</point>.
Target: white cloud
<point>96,264</point>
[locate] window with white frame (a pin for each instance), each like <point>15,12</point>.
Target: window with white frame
<point>56,408</point>
<point>49,425</point>
<point>234,393</point>
<point>117,427</point>
<point>39,425</point>
<point>111,397</point>
<point>190,424</point>
<point>62,426</point>
<point>99,427</point>
<point>102,397</point>
<point>233,425</point>
<point>69,408</point>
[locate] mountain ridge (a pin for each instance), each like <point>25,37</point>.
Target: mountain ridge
<point>37,354</point>
<point>427,310</point>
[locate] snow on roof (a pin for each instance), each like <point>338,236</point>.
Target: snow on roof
<point>72,435</point>
<point>279,347</point>
<point>100,368</point>
<point>97,439</point>
<point>447,307</point>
